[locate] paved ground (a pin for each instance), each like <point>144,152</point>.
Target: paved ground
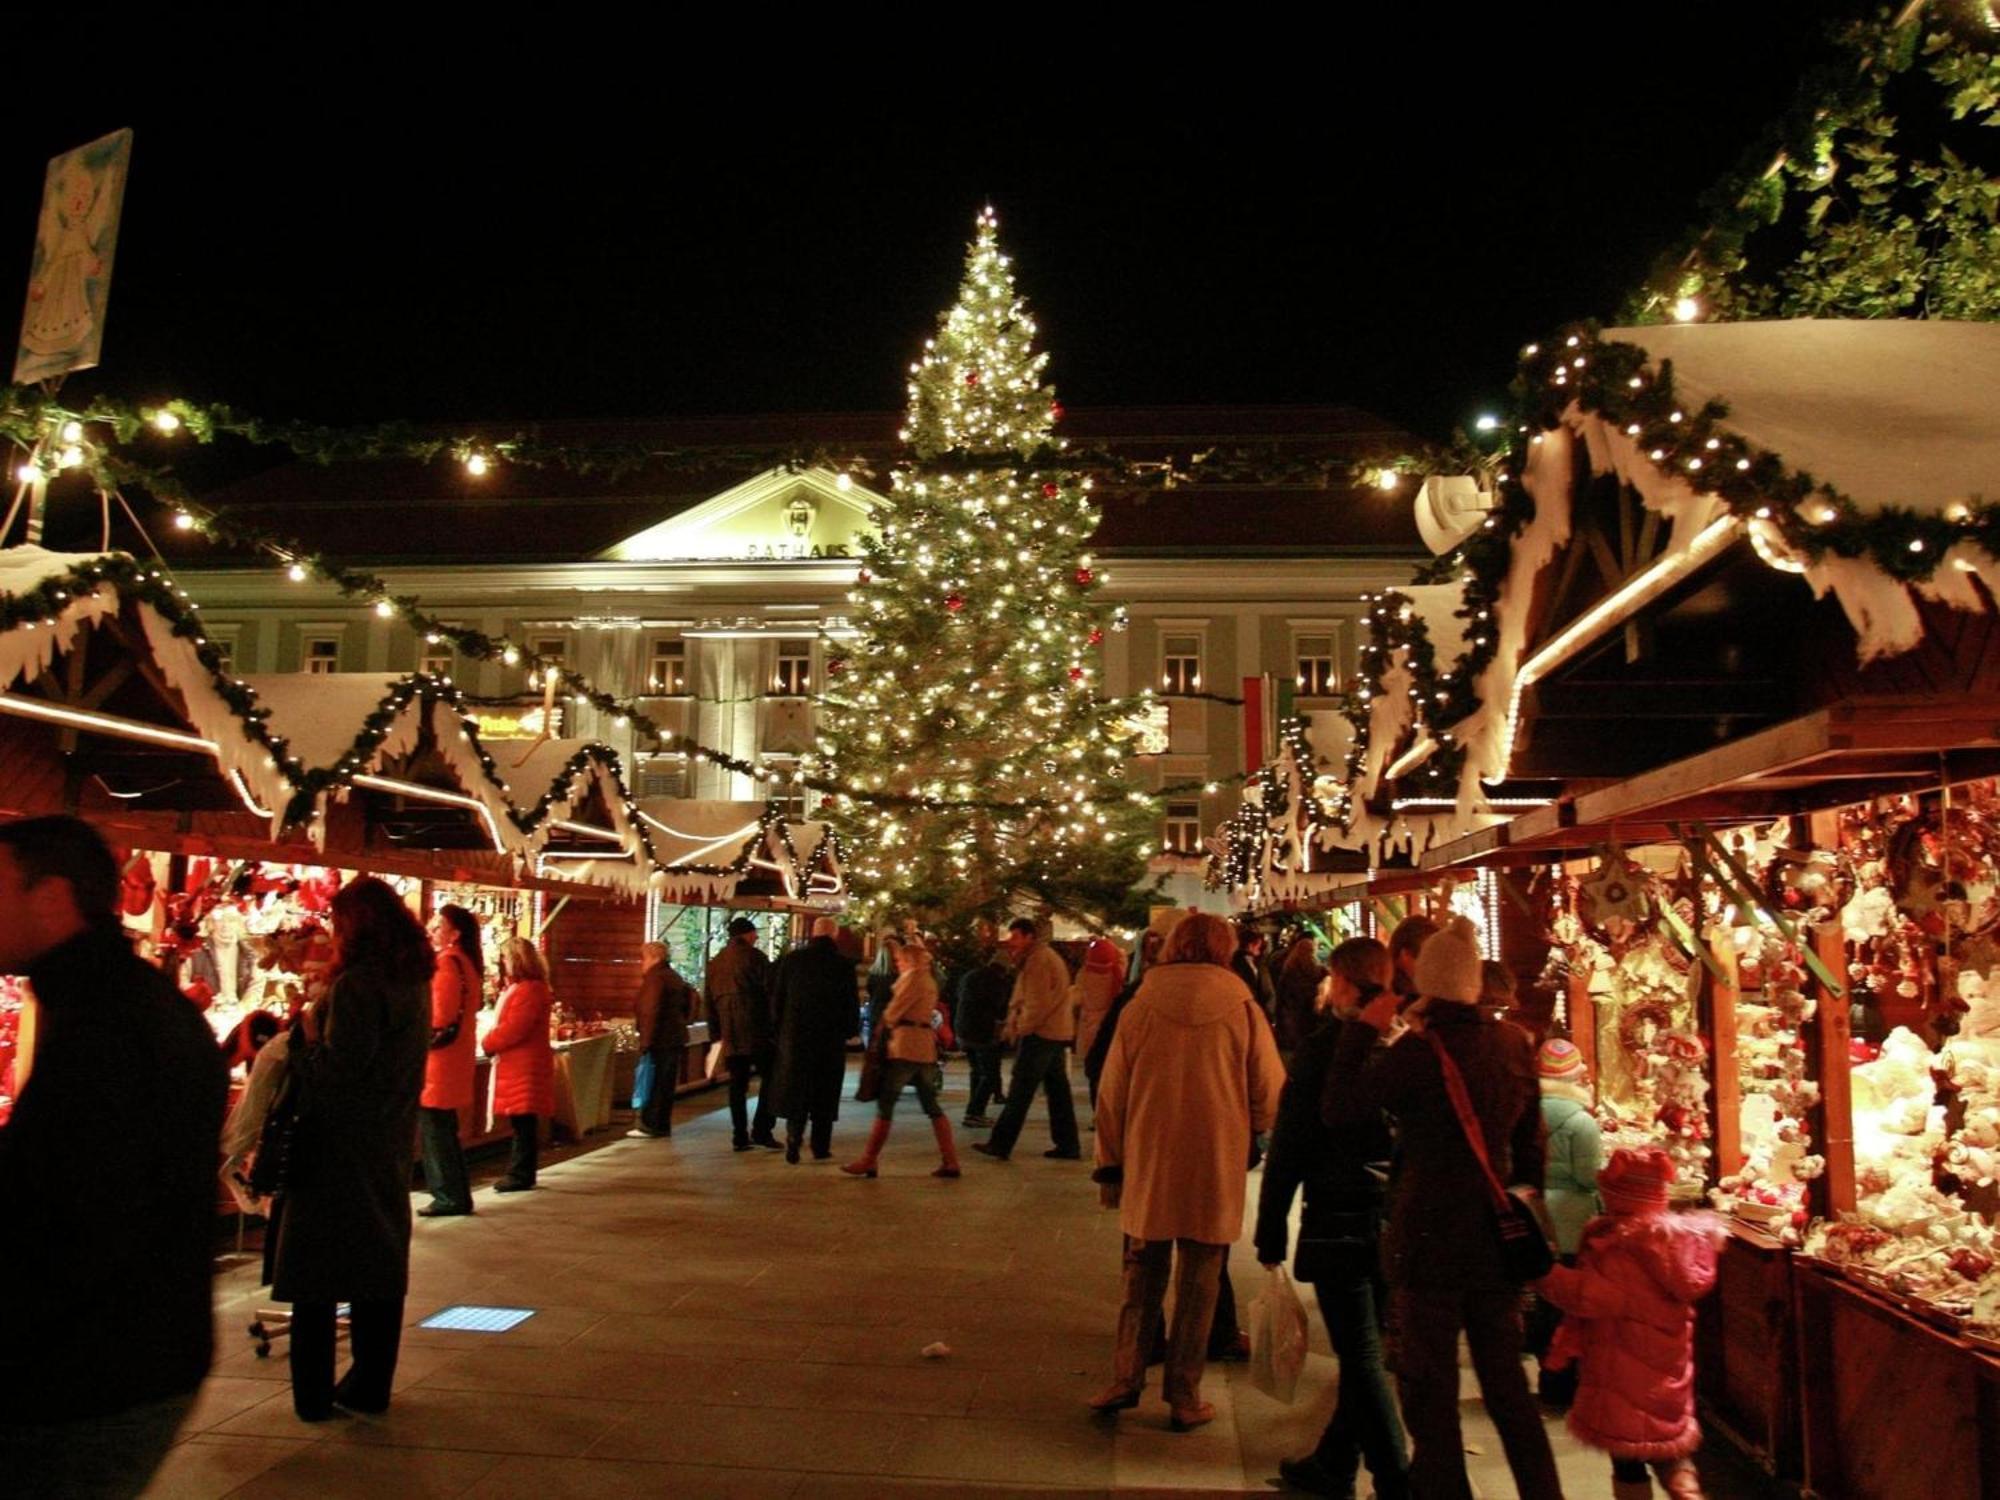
<point>714,1324</point>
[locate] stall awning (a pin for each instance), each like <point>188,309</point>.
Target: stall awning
<point>1839,755</point>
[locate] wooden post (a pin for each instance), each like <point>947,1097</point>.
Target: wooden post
<point>1583,1022</point>
<point>1827,1059</point>
<point>1716,1010</point>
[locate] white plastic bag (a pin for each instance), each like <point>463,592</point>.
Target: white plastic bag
<point>1277,1337</point>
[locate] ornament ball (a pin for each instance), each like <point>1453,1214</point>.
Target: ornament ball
<point>1051,490</point>
<point>1083,576</point>
<point>1096,636</point>
<point>955,602</point>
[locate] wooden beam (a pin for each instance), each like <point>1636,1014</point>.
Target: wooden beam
<point>1828,1061</point>
<point>1716,1006</point>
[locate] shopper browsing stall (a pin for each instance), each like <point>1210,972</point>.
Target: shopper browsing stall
<point>524,1063</point>
<point>357,1063</point>
<point>456,991</point>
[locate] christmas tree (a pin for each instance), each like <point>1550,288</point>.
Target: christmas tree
<point>968,712</point>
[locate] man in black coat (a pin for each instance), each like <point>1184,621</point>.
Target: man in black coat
<point>983,992</point>
<point>108,1181</point>
<point>817,1010</point>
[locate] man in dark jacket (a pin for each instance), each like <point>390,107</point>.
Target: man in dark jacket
<point>983,991</point>
<point>107,1182</point>
<point>737,993</point>
<point>817,1010</point>
<point>660,1015</point>
<point>1442,1250</point>
<point>1339,1251</point>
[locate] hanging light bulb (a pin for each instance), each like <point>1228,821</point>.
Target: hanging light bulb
<point>166,421</point>
<point>476,464</point>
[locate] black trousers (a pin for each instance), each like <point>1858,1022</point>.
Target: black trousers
<point>985,1063</point>
<point>444,1161</point>
<point>740,1068</point>
<point>658,1115</point>
<point>375,1330</point>
<point>527,1149</point>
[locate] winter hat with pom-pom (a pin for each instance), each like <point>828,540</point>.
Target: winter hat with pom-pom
<point>1635,1182</point>
<point>1558,1061</point>
<point>1448,964</point>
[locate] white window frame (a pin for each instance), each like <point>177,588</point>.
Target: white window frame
<point>1312,631</point>
<point>1172,681</point>
<point>226,639</point>
<point>794,797</point>
<point>311,635</point>
<point>670,688</point>
<point>650,766</point>
<point>444,651</point>
<point>1180,829</point>
<point>785,684</point>
<point>537,646</point>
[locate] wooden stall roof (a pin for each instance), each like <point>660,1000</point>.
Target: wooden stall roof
<point>1836,756</point>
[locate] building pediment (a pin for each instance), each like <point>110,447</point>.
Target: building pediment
<point>778,516</point>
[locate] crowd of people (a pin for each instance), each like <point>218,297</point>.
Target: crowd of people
<point>1388,1084</point>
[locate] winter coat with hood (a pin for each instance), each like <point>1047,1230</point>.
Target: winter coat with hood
<point>1191,1073</point>
<point>344,1231</point>
<point>448,1070</point>
<point>524,1064</point>
<point>1440,1234</point>
<point>1574,1152</point>
<point>1096,986</point>
<point>1630,1304</point>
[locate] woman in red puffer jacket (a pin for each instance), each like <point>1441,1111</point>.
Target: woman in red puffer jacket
<point>1630,1326</point>
<point>524,1065</point>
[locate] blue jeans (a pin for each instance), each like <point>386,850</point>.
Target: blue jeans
<point>1364,1423</point>
<point>1038,1065</point>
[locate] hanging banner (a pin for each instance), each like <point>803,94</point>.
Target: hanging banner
<point>69,278</point>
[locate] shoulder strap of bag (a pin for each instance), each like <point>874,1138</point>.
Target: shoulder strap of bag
<point>1454,1087</point>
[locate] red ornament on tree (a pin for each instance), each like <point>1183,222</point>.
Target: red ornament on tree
<point>1051,490</point>
<point>1096,636</point>
<point>835,665</point>
<point>1055,411</point>
<point>954,602</point>
<point>972,377</point>
<point>863,576</point>
<point>1076,674</point>
<point>1083,577</point>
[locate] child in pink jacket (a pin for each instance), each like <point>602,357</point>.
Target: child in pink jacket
<point>1630,1326</point>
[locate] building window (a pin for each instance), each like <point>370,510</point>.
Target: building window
<point>553,650</point>
<point>1180,664</point>
<point>793,677</point>
<point>319,655</point>
<point>790,795</point>
<point>1183,829</point>
<point>438,656</point>
<point>224,645</point>
<point>1316,677</point>
<point>662,776</point>
<point>666,668</point>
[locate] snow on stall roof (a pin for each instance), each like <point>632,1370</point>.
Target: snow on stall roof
<point>321,714</point>
<point>1888,411</point>
<point>696,831</point>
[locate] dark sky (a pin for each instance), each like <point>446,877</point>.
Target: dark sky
<point>1376,213</point>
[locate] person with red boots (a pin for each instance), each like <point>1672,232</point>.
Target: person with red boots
<point>912,1061</point>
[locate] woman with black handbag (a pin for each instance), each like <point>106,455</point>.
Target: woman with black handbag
<point>1463,1095</point>
<point>357,1063</point>
<point>456,987</point>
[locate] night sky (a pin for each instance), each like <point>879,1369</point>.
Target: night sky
<point>1376,215</point>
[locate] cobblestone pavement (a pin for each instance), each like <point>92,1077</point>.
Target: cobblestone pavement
<point>708,1323</point>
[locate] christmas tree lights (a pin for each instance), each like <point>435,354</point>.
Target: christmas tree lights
<point>978,670</point>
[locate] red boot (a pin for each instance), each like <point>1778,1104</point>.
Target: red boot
<point>947,1148</point>
<point>866,1166</point>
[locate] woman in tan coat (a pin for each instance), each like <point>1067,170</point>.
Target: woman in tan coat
<point>912,1061</point>
<point>1193,1071</point>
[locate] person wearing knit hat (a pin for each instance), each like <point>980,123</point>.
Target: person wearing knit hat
<point>1569,1188</point>
<point>1440,1251</point>
<point>1629,1300</point>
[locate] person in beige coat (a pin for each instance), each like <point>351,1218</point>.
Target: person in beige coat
<point>912,1063</point>
<point>1096,985</point>
<point>1193,1071</point>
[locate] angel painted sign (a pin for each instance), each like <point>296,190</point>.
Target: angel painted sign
<point>69,279</point>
